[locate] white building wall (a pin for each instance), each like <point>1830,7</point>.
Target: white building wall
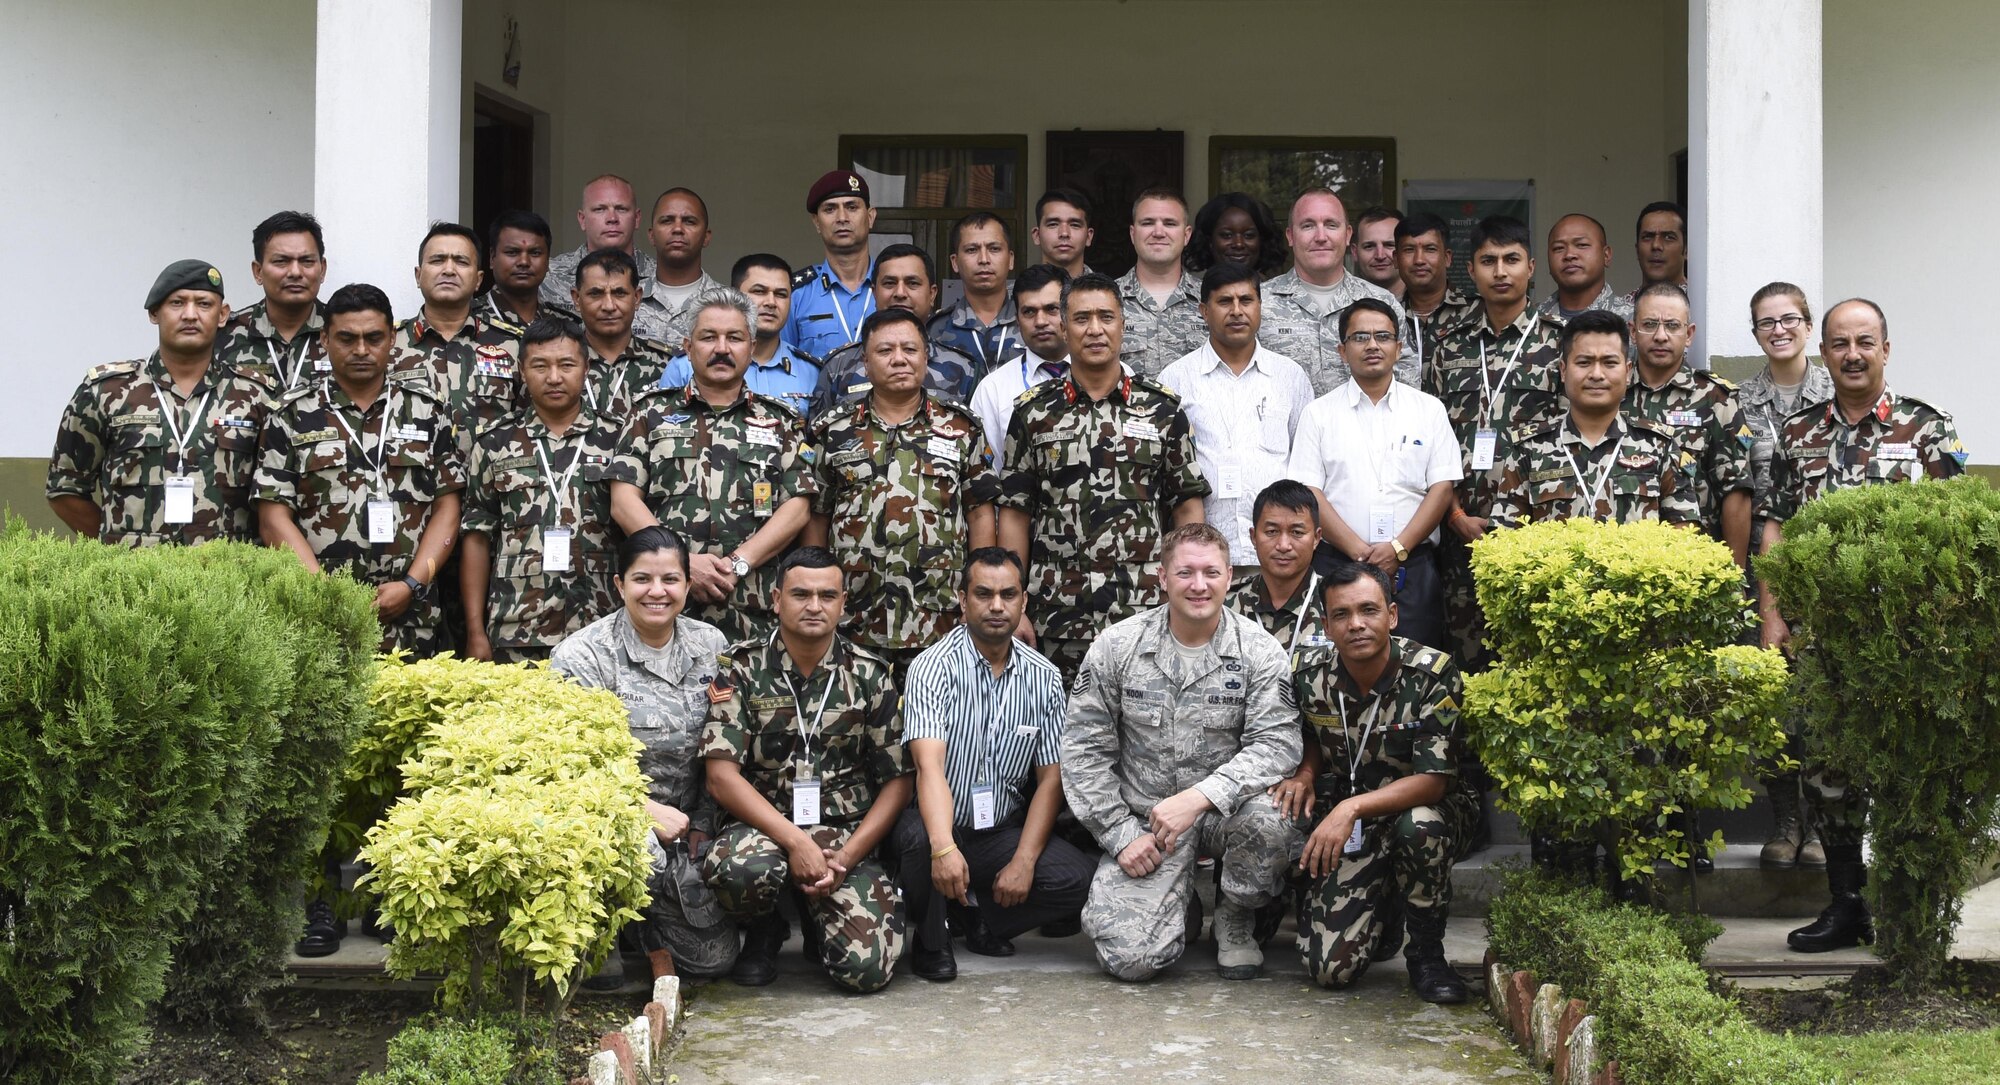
<point>1912,150</point>
<point>128,136</point>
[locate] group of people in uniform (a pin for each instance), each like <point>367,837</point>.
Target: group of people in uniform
<point>1023,613</point>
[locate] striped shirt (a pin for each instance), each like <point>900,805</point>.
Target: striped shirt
<point>1016,720</point>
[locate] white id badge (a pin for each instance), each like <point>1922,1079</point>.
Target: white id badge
<point>180,500</point>
<point>555,550</point>
<point>805,801</point>
<point>1353,840</point>
<point>1381,523</point>
<point>1483,442</point>
<point>982,807</point>
<point>1229,481</point>
<point>381,521</point>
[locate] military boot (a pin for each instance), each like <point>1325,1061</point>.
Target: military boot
<point>1812,850</point>
<point>757,964</point>
<point>1845,922</point>
<point>1237,954</point>
<point>1782,850</point>
<point>1431,976</point>
<point>1391,937</point>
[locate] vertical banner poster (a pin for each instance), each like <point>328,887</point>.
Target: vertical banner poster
<point>1461,204</point>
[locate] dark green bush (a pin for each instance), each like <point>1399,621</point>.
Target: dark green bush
<point>1894,595</point>
<point>136,691</point>
<point>1564,932</point>
<point>249,910</point>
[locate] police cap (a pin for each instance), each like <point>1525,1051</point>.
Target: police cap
<point>835,183</point>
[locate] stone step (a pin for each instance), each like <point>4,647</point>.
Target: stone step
<point>1750,825</point>
<point>1739,886</point>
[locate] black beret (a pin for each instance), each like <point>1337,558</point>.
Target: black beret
<point>835,183</point>
<point>184,275</point>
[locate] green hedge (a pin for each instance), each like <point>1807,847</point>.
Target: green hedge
<point>141,697</point>
<point>1639,971</point>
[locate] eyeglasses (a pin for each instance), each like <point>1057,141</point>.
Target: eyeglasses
<point>1362,339</point>
<point>1672,327</point>
<point>1787,322</point>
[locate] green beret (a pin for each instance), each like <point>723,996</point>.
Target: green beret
<point>184,275</point>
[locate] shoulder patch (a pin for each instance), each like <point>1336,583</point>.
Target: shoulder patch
<point>1657,429</point>
<point>804,275</point>
<point>653,345</point>
<point>109,370</point>
<point>1155,387</point>
<point>299,393</point>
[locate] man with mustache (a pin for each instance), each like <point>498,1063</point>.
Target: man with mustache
<point>470,359</point>
<point>281,332</point>
<point>832,298</point>
<point>982,324</point>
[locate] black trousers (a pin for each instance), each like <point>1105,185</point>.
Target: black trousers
<point>1062,878</point>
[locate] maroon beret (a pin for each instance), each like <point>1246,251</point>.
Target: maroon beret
<point>834,183</point>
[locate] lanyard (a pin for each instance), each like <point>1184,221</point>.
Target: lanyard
<point>839,310</point>
<point>381,439</point>
<point>1298,623</point>
<point>297,358</point>
<point>1595,493</point>
<point>808,734</point>
<point>169,413</point>
<point>1367,728</point>
<point>558,489</point>
<point>1488,393</point>
<point>999,350</point>
<point>1417,339</point>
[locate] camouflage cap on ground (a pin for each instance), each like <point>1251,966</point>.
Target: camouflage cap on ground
<point>184,275</point>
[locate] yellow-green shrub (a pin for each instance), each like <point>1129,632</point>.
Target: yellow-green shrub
<point>1621,694</point>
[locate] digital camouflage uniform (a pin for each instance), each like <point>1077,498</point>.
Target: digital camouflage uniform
<point>250,340</point>
<point>843,377</point>
<point>476,372</point>
<point>1313,339</point>
<point>1158,334</point>
<point>1702,412</point>
<point>1099,480</point>
<point>898,498</point>
<point>665,691</point>
<point>992,345</point>
<point>307,463</point>
<point>669,328</point>
<point>1250,597</point>
<point>1901,440</point>
<point>715,475</point>
<point>1413,709</point>
<point>612,388</point>
<point>509,499</point>
<point>1539,464</point>
<point>1766,410</point>
<point>115,448</point>
<point>559,286</point>
<point>1144,726</point>
<point>1471,358</point>
<point>753,721</point>
<point>1606,301</point>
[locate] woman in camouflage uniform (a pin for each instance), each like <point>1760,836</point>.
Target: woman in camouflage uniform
<point>660,664</point>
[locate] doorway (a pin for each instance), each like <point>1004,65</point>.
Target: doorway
<point>1111,169</point>
<point>506,167</point>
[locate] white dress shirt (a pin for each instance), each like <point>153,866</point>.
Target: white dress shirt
<point>993,400</point>
<point>1375,461</point>
<point>1243,425</point>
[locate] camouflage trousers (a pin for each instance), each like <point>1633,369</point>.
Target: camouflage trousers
<point>684,918</point>
<point>420,639</point>
<point>1345,909</point>
<point>1066,653</point>
<point>1139,925</point>
<point>861,934</point>
<point>1841,808</point>
<point>738,618</point>
<point>1465,623</point>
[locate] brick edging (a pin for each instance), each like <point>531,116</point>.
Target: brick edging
<point>1559,1035</point>
<point>637,1053</point>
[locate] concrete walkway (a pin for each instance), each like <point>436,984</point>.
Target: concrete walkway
<point>1048,1015</point>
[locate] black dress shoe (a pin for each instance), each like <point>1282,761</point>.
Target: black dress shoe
<point>757,963</point>
<point>1844,923</point>
<point>936,965</point>
<point>981,940</point>
<point>1435,980</point>
<point>1063,928</point>
<point>323,932</point>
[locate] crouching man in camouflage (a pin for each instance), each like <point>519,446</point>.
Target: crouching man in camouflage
<point>1180,720</point>
<point>805,754</point>
<point>1382,713</point>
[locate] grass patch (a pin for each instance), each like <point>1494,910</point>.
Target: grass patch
<point>1909,1058</point>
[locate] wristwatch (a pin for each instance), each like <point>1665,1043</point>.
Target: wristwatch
<point>738,567</point>
<point>418,589</point>
<point>1402,552</point>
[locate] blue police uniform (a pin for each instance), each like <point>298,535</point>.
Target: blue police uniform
<point>789,377</point>
<point>825,314</point>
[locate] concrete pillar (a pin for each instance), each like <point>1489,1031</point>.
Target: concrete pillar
<point>1755,170</point>
<point>386,136</point>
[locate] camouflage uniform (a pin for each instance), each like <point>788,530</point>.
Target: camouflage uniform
<point>665,691</point>
<point>843,377</point>
<point>1539,465</point>
<point>307,462</point>
<point>1606,301</point>
<point>115,447</point>
<point>475,372</point>
<point>1421,334</point>
<point>899,497</point>
<point>1313,339</point>
<point>497,311</point>
<point>1099,480</point>
<point>1901,439</point>
<point>669,327</point>
<point>1157,334</point>
<point>250,340</point>
<point>753,721</point>
<point>1470,357</point>
<point>1765,411</point>
<point>560,283</point>
<point>1145,724</point>
<point>1250,597</point>
<point>507,499</point>
<point>1701,410</point>
<point>1414,711</point>
<point>611,388</point>
<point>994,345</point>
<point>715,475</point>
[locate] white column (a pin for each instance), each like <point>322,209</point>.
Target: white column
<point>386,136</point>
<point>1755,170</point>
